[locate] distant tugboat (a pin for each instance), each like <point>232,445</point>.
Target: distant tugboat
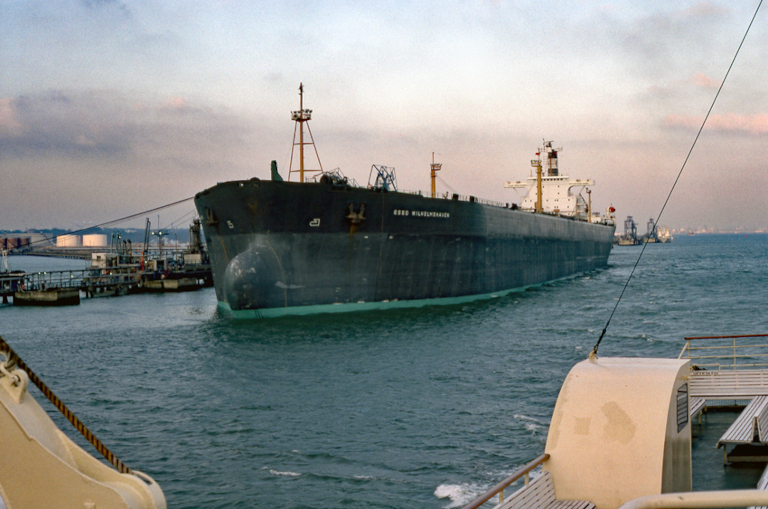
<point>323,244</point>
<point>664,235</point>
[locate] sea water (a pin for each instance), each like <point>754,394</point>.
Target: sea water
<point>420,407</point>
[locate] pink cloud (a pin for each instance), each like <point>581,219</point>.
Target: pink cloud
<point>673,120</point>
<point>9,123</point>
<point>703,9</point>
<point>704,81</point>
<point>752,124</point>
<point>175,103</point>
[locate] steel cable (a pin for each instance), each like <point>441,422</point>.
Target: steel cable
<point>593,353</point>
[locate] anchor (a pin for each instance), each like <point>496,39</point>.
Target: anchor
<point>355,217</point>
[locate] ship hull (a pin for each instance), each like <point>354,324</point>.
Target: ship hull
<point>283,248</point>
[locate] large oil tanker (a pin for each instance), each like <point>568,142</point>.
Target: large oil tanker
<point>327,245</point>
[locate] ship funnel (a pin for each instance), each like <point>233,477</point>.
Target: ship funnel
<point>551,159</point>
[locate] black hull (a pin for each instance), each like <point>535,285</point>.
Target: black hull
<point>281,248</point>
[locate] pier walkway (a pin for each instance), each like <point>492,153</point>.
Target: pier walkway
<point>63,287</point>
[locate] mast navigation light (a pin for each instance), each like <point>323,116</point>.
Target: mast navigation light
<point>301,117</point>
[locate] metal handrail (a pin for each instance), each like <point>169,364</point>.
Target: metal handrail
<point>730,356</point>
<point>701,500</point>
<point>728,337</point>
<point>721,367</point>
<point>688,351</point>
<point>723,347</point>
<point>499,488</point>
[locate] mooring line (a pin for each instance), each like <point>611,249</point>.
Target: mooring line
<point>12,358</point>
<point>117,221</point>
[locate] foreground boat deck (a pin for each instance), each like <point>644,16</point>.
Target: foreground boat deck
<point>709,473</point>
<point>720,402</point>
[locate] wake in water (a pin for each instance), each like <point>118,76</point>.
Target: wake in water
<point>281,474</point>
<point>534,425</point>
<point>461,494</point>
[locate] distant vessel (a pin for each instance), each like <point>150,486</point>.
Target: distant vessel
<point>656,235</point>
<point>324,244</point>
<point>664,236</point>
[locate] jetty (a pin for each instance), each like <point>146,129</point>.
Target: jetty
<point>653,235</point>
<point>65,287</point>
<point>120,271</point>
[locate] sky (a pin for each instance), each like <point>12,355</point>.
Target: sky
<point>110,108</point>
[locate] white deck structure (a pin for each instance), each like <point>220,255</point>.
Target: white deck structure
<point>557,191</point>
<point>620,435</point>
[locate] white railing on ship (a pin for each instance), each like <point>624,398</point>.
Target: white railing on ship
<point>499,488</point>
<point>719,353</point>
<point>688,500</point>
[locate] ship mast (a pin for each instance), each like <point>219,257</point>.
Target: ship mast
<point>434,167</point>
<point>300,117</point>
<point>536,163</point>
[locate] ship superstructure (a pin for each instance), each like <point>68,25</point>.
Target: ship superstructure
<point>549,191</point>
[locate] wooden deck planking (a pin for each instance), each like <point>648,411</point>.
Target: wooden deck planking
<point>696,405</point>
<point>749,424</point>
<point>572,504</point>
<point>540,494</point>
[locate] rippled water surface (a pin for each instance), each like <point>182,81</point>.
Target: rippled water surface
<point>403,408</point>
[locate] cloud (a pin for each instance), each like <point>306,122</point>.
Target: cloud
<point>108,4</point>
<point>703,81</point>
<point>69,154</point>
<point>176,103</point>
<point>728,123</point>
<point>57,123</point>
<point>704,10</point>
<point>109,124</point>
<point>9,123</point>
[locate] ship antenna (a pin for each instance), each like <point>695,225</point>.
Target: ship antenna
<point>301,117</point>
<point>593,353</point>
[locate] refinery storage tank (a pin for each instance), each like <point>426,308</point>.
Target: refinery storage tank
<point>68,241</point>
<point>95,240</point>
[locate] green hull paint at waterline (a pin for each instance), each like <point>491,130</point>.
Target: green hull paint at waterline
<point>360,306</point>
